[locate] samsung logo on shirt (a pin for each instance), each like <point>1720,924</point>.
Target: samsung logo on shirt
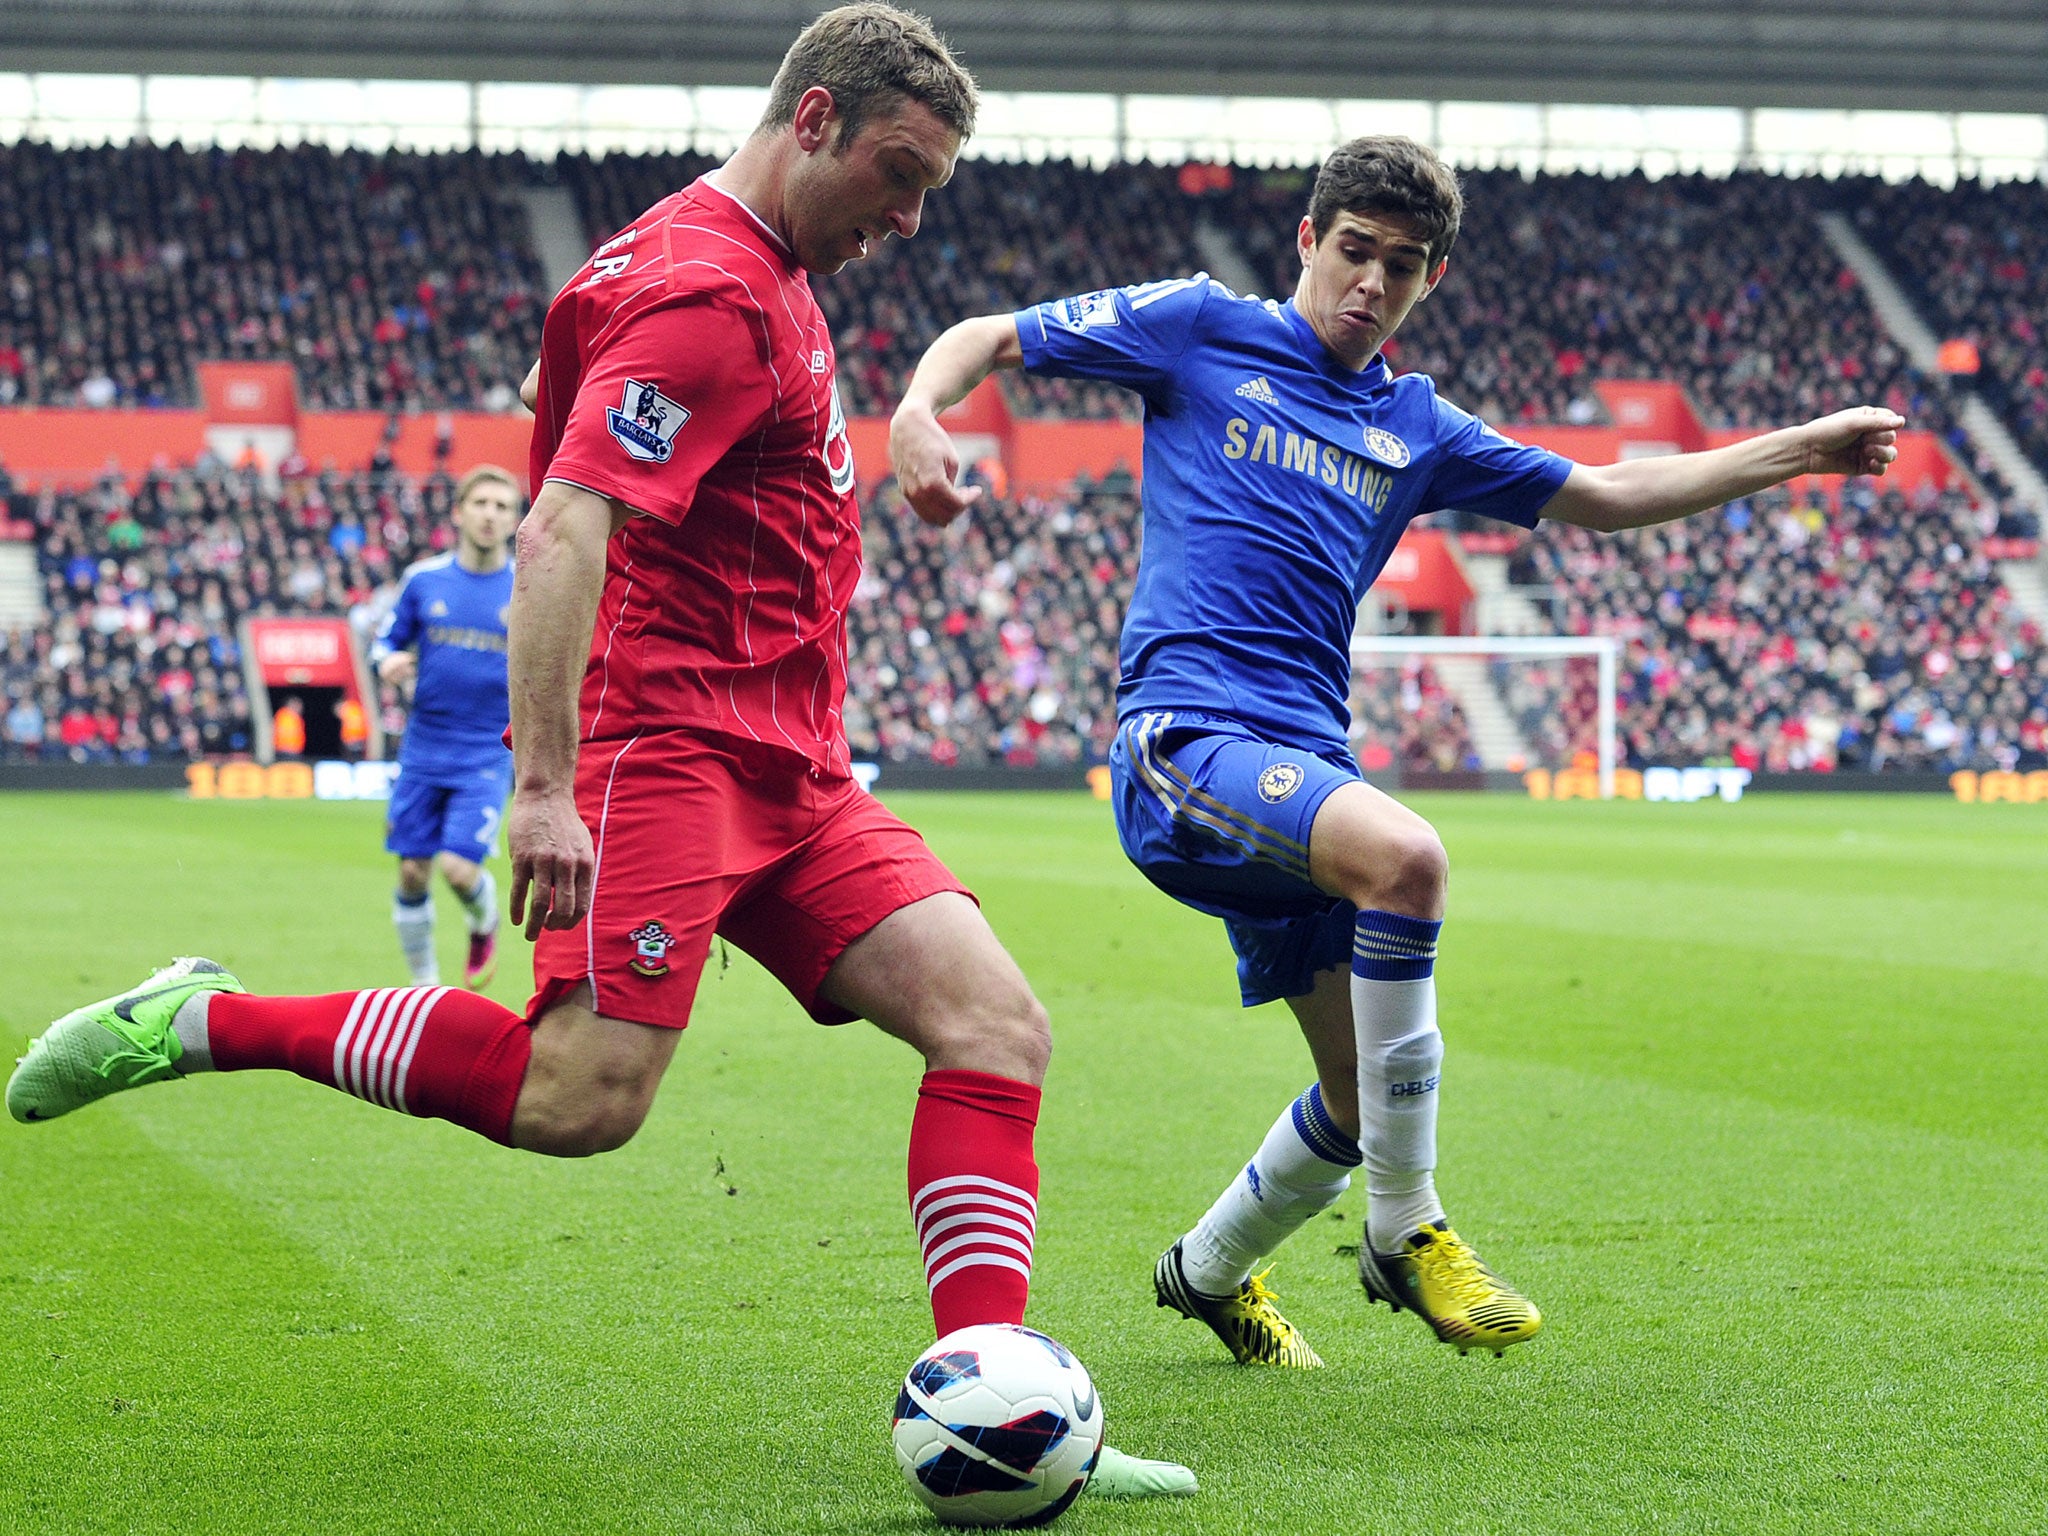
<point>465,639</point>
<point>1291,452</point>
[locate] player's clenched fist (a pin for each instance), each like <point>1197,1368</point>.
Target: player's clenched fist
<point>551,855</point>
<point>1858,441</point>
<point>926,464</point>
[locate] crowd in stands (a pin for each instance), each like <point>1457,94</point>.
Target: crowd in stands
<point>1724,284</point>
<point>393,281</point>
<point>1779,634</point>
<point>1975,260</point>
<point>145,587</point>
<point>998,238</point>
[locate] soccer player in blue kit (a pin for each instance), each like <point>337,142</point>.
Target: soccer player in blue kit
<point>446,634</point>
<point>1283,459</point>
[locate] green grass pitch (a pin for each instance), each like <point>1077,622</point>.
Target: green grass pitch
<point>1750,1098</point>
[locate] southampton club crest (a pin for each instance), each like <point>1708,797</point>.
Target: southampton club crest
<point>651,943</point>
<point>646,422</point>
<point>1279,781</point>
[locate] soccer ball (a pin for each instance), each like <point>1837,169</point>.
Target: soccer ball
<point>997,1425</point>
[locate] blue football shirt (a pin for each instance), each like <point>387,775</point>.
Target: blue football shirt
<point>455,619</point>
<point>1277,482</point>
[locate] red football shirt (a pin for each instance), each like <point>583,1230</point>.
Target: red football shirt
<point>688,372</point>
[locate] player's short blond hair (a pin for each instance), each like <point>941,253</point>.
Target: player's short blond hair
<point>871,56</point>
<point>486,474</point>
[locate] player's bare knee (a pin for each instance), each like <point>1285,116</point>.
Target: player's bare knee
<point>1027,1034</point>
<point>414,875</point>
<point>456,870</point>
<point>586,1129</point>
<point>1411,872</point>
<point>1009,1036</point>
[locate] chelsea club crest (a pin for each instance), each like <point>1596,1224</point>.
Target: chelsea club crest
<point>1279,781</point>
<point>1387,448</point>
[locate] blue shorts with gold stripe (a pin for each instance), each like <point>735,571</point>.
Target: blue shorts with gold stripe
<point>1219,819</point>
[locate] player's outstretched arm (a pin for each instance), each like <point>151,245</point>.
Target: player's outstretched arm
<point>923,455</point>
<point>1639,492</point>
<point>559,575</point>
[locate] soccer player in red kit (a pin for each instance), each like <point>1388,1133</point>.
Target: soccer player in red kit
<point>685,571</point>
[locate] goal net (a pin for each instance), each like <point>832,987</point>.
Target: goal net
<point>1504,703</point>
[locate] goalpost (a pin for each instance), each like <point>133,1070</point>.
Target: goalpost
<point>1604,649</point>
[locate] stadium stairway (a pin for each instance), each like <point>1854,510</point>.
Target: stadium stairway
<point>2024,580</point>
<point>21,588</point>
<point>1504,608</point>
<point>2027,580</point>
<point>1498,740</point>
<point>557,232</point>
<point>1225,261</point>
<point>1919,343</point>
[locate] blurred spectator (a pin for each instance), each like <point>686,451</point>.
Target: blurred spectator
<point>399,281</point>
<point>1975,258</point>
<point>1723,284</point>
<point>1784,635</point>
<point>998,238</point>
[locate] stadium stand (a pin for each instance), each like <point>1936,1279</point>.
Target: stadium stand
<point>1722,284</point>
<point>1783,634</point>
<point>1975,259</point>
<point>145,589</point>
<point>393,281</point>
<point>1001,236</point>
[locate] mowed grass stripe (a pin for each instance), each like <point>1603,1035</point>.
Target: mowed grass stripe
<point>641,1349</point>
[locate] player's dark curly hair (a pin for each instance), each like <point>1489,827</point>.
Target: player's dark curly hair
<point>1390,174</point>
<point>870,56</point>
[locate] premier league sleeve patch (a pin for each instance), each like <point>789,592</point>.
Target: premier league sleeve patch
<point>646,422</point>
<point>1085,311</point>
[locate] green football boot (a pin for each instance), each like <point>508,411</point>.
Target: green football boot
<point>1117,1476</point>
<point>121,1042</point>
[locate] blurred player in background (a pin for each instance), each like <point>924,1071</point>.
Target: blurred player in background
<point>1283,459</point>
<point>685,574</point>
<point>445,635</point>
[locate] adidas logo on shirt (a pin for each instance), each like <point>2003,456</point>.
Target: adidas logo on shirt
<point>1258,389</point>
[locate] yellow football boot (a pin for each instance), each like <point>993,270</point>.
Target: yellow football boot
<point>1247,1321</point>
<point>1441,1280</point>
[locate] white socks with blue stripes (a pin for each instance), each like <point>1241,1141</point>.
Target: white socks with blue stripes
<point>1301,1167</point>
<point>1400,1059</point>
<point>413,917</point>
<point>480,905</point>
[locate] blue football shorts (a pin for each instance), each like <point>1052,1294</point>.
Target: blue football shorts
<point>1219,820</point>
<point>458,814</point>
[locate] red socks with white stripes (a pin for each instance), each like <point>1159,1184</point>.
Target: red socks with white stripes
<point>426,1051</point>
<point>974,1195</point>
<point>434,1051</point>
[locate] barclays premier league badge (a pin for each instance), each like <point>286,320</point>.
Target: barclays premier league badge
<point>646,422</point>
<point>1085,311</point>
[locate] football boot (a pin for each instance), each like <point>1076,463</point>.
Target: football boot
<point>1248,1320</point>
<point>121,1042</point>
<point>1442,1281</point>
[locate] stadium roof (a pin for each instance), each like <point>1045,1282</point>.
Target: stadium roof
<point>1943,55</point>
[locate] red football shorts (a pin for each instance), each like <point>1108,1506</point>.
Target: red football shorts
<point>699,834</point>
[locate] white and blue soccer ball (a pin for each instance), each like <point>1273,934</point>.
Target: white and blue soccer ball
<point>997,1425</point>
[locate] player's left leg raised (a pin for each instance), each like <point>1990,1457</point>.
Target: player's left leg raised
<point>425,1051</point>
